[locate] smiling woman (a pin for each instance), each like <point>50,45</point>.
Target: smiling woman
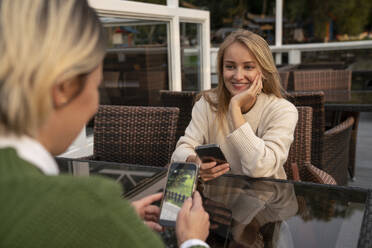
<point>254,130</point>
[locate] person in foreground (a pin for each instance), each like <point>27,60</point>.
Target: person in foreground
<point>51,54</point>
<point>246,114</point>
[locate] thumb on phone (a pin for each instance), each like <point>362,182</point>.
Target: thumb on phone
<point>187,205</point>
<point>197,201</point>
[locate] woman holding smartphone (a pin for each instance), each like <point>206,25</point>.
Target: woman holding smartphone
<point>51,54</point>
<point>245,115</point>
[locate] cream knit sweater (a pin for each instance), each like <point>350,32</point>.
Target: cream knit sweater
<point>259,148</point>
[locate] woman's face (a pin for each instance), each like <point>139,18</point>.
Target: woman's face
<point>239,68</point>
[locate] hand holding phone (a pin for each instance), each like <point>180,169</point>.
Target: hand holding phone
<point>180,185</point>
<point>149,212</point>
<point>209,153</point>
<point>193,220</point>
<point>214,163</point>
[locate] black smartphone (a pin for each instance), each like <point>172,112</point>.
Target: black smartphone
<point>181,183</point>
<point>209,153</point>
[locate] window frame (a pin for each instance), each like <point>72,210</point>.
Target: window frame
<point>173,15</point>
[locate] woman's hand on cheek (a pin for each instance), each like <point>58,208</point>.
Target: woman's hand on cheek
<point>246,99</point>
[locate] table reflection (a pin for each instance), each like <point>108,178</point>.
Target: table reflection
<point>257,210</point>
<point>272,213</point>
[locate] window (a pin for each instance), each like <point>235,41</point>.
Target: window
<point>136,64</point>
<point>144,55</point>
<point>190,56</point>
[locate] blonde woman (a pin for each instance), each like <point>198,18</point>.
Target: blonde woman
<point>246,114</point>
<point>50,54</point>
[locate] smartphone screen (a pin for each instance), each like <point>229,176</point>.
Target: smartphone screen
<point>209,153</point>
<point>180,185</point>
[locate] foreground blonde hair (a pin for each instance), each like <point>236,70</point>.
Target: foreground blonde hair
<point>42,43</point>
<point>219,98</point>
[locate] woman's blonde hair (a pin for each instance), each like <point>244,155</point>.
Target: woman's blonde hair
<point>219,97</point>
<point>42,43</point>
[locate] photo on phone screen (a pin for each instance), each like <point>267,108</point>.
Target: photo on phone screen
<point>180,185</point>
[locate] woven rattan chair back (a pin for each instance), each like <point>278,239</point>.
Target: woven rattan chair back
<point>284,78</point>
<point>300,151</point>
<point>184,100</point>
<point>314,99</point>
<point>322,80</point>
<point>135,134</point>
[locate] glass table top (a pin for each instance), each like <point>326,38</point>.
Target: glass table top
<point>360,101</point>
<point>128,175</point>
<point>350,97</point>
<point>247,212</point>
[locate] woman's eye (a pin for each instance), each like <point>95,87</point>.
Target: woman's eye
<point>248,67</point>
<point>229,67</point>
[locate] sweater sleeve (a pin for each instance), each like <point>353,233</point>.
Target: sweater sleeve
<point>77,212</point>
<point>264,156</point>
<point>196,132</point>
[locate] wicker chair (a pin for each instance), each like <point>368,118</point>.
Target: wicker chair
<point>314,99</point>
<point>337,150</point>
<point>334,81</point>
<point>325,80</point>
<point>329,149</point>
<point>184,100</point>
<point>284,78</point>
<point>135,134</point>
<point>298,166</point>
<point>322,80</point>
<point>353,140</point>
<point>300,151</point>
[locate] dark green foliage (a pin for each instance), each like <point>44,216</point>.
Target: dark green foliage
<point>349,16</point>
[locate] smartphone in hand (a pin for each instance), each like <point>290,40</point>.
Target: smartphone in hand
<point>181,183</point>
<point>209,153</point>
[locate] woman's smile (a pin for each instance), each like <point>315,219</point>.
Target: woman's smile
<point>241,86</point>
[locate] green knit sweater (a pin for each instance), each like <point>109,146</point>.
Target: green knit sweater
<point>64,211</point>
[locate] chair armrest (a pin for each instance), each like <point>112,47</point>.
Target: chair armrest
<point>313,174</point>
<point>295,172</point>
<point>340,128</point>
<point>336,150</point>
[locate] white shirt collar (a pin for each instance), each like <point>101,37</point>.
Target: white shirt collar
<point>32,151</point>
